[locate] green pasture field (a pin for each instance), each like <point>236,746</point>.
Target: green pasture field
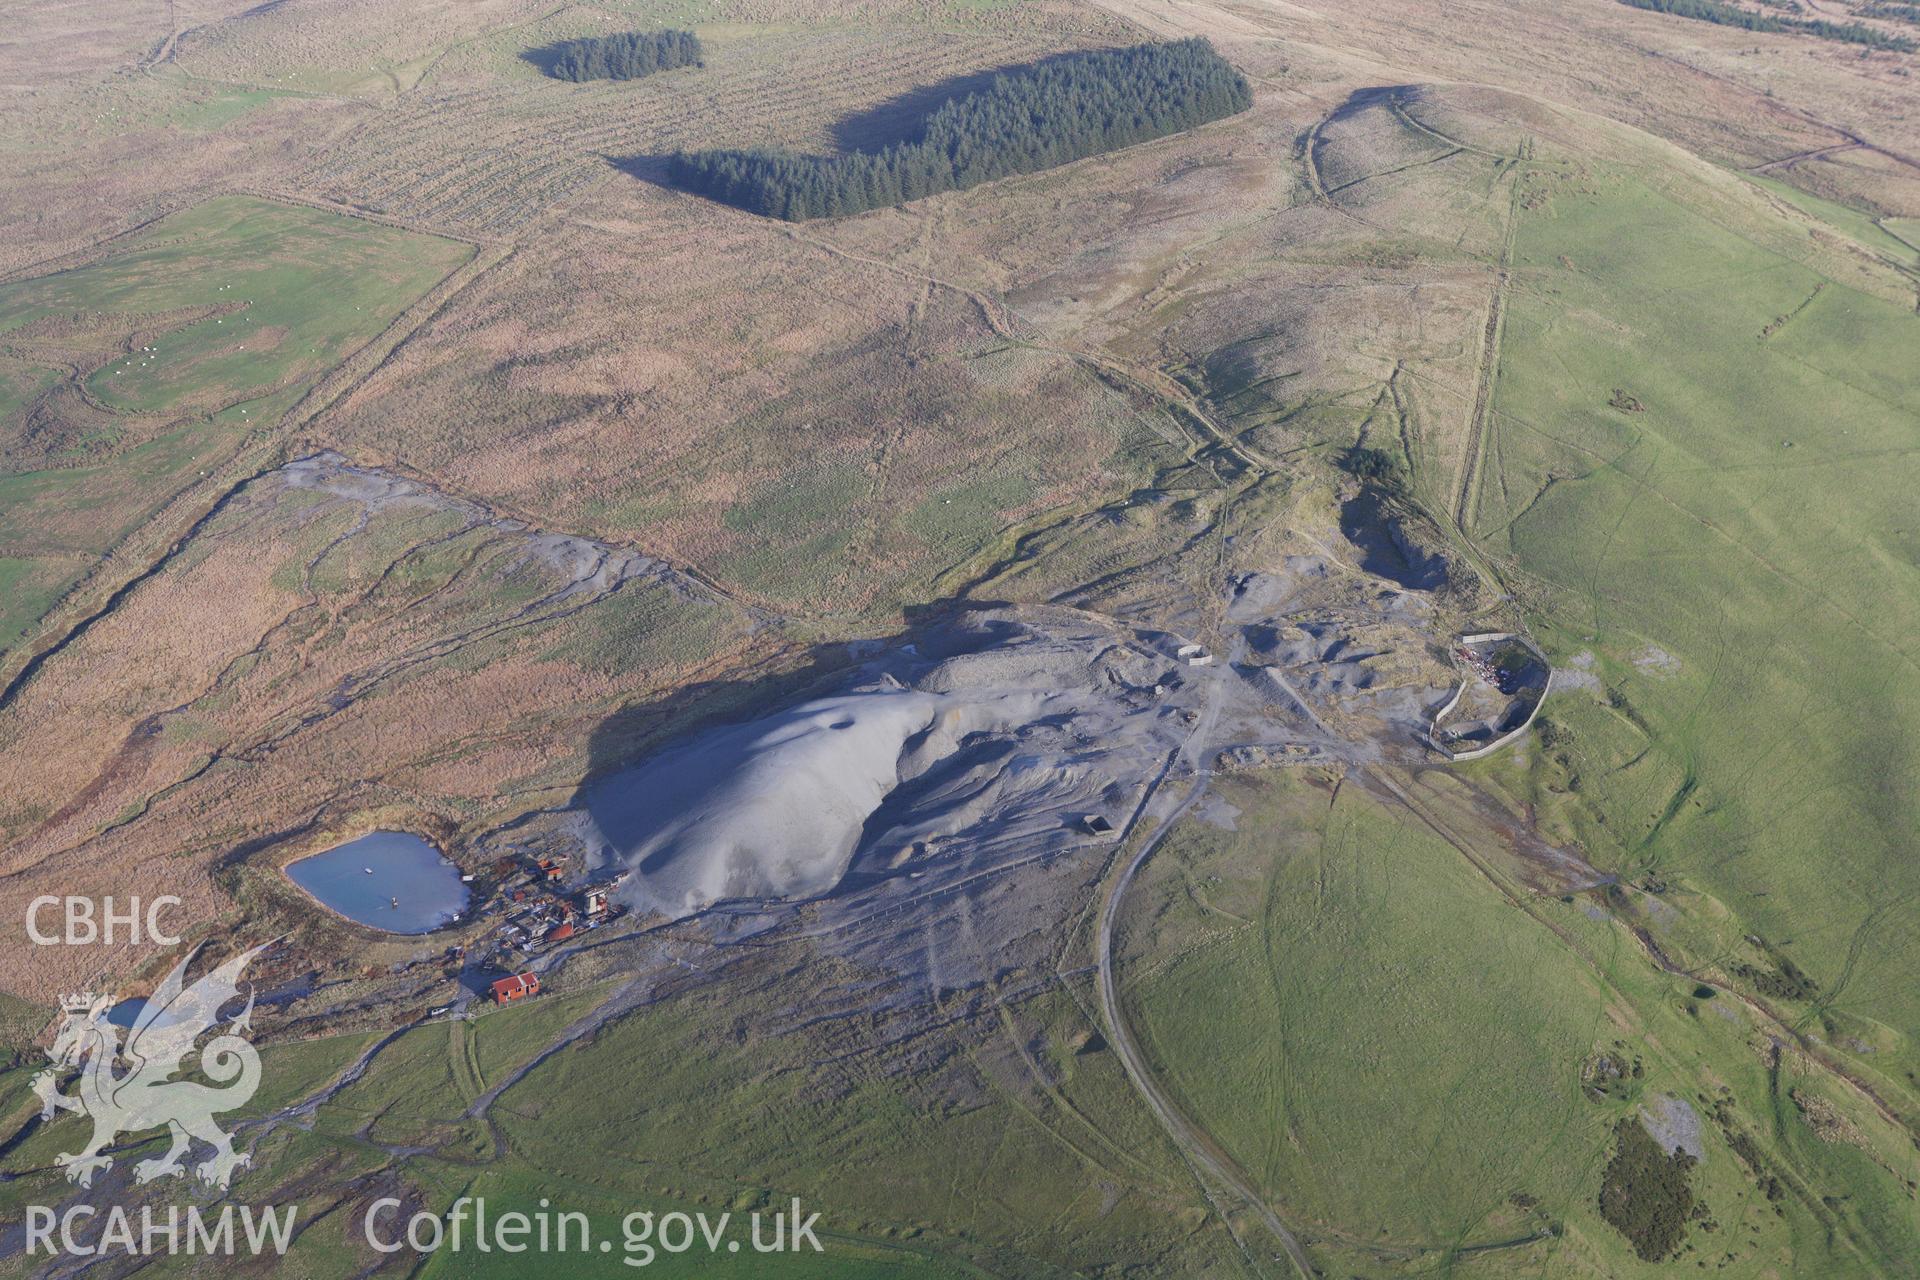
<point>85,510</point>
<point>55,523</point>
<point>1398,1056</point>
<point>20,383</point>
<point>248,302</point>
<point>287,291</point>
<point>1862,227</point>
<point>204,113</point>
<point>28,589</point>
<point>1735,560</point>
<point>982,1167</point>
<point>967,1161</point>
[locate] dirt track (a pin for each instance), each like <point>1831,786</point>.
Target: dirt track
<point>1194,1142</point>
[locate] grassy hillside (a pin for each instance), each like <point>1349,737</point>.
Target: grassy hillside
<point>1671,408</point>
<point>1417,1073</point>
<point>1733,555</point>
<point>1006,1151</point>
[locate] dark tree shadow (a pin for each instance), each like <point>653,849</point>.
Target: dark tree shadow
<point>649,167</point>
<point>545,56</point>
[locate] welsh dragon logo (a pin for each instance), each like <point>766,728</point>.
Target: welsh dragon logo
<point>129,1088</point>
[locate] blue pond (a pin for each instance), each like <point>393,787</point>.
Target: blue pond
<point>123,1014</point>
<point>388,880</point>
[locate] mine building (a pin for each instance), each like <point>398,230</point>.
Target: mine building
<point>518,987</point>
<point>1194,655</point>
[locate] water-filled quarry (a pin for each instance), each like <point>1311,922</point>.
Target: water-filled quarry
<point>387,880</point>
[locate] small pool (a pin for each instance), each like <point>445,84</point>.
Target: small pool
<point>123,1014</point>
<point>388,880</point>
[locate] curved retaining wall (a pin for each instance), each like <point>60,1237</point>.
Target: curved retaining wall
<point>1441,712</point>
<point>1476,753</point>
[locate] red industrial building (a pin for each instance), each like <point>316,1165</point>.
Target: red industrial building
<point>518,987</point>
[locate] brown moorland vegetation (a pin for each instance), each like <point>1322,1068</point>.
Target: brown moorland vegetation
<point>836,421</point>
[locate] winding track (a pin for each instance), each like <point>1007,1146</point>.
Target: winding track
<point>1198,1145</point>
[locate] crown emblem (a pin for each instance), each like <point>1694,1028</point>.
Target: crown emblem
<point>144,1070</point>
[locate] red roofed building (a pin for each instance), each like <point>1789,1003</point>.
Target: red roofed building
<point>560,932</point>
<point>519,986</point>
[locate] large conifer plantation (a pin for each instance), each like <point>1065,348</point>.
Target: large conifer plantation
<point>1033,118</point>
